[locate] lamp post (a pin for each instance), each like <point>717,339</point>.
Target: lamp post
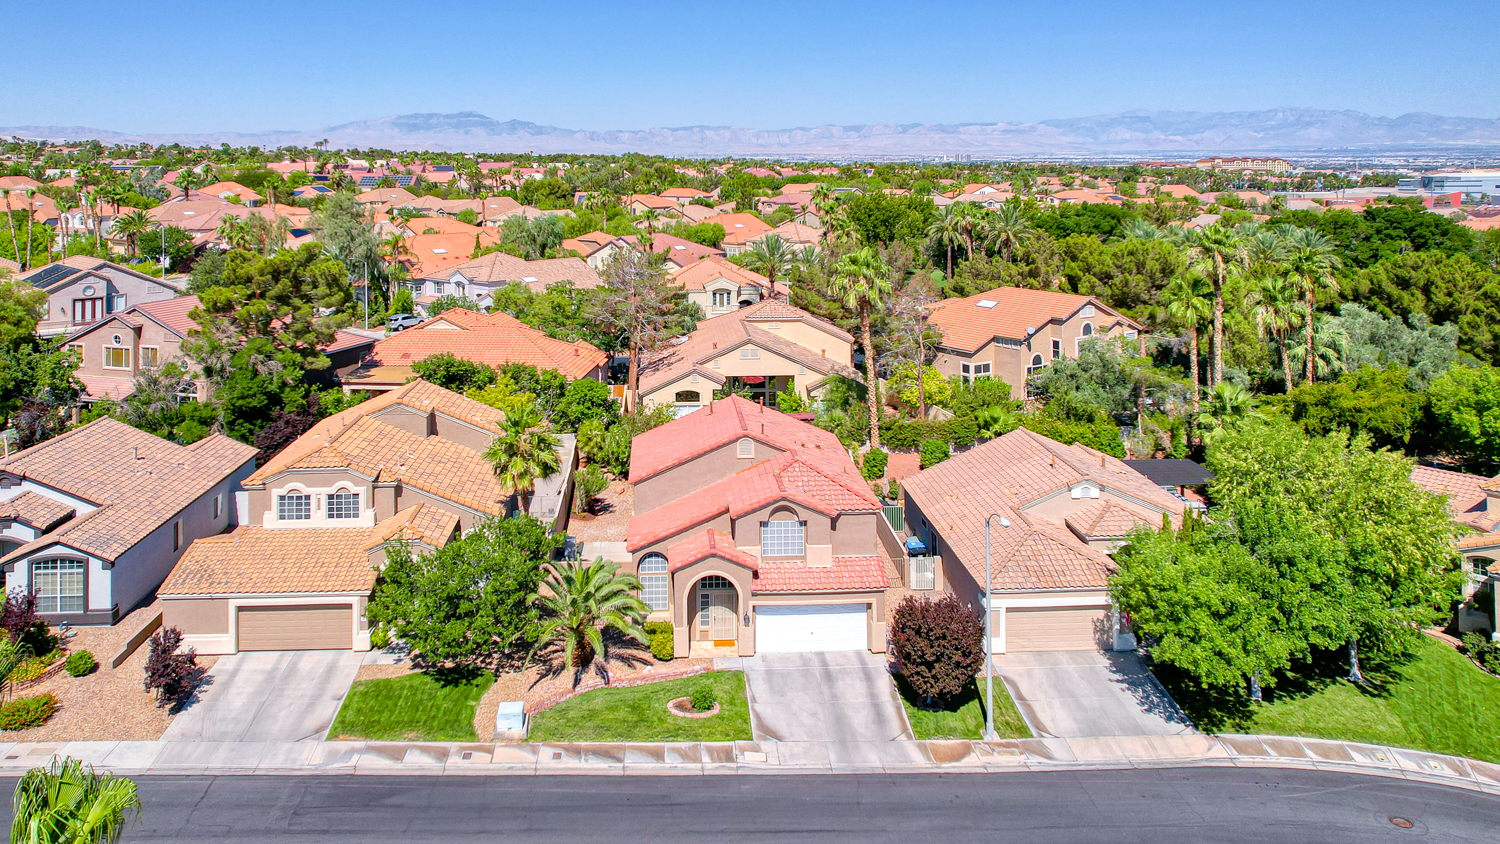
<point>989,639</point>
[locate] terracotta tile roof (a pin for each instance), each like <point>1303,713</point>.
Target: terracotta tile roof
<point>794,233</point>
<point>678,250</point>
<point>443,225</point>
<point>968,325</point>
<point>106,387</point>
<point>709,543</point>
<point>40,512</point>
<point>492,339</point>
<point>788,476</point>
<point>846,574</point>
<point>343,339</point>
<point>739,228</point>
<point>683,193</point>
<point>1106,520</point>
<point>723,334</point>
<point>1465,494</point>
<point>651,200</point>
<point>499,268</point>
<point>254,560</point>
<point>139,481</point>
<point>726,421</point>
<point>589,243</point>
<point>696,275</point>
<point>171,314</point>
<point>385,195</point>
<point>1006,476</point>
<point>435,254</point>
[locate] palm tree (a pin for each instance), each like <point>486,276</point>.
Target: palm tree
<point>1276,309</point>
<point>1330,344</point>
<point>861,280</point>
<point>188,179</point>
<point>1140,229</point>
<point>649,217</point>
<point>1228,406</point>
<point>1009,228</point>
<point>525,453</point>
<point>10,218</point>
<point>771,256</point>
<point>1189,301</point>
<point>947,231</point>
<point>1218,251</point>
<point>235,232</point>
<point>131,226</point>
<point>1313,258</point>
<point>68,803</point>
<point>822,200</point>
<point>581,601</point>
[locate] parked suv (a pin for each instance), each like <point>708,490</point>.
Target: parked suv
<point>400,322</point>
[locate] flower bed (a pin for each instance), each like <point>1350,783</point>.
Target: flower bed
<point>682,707</point>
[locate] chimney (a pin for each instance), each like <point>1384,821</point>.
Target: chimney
<point>1052,461</point>
<point>1101,461</point>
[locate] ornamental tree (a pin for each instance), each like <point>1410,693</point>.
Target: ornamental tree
<point>938,645</point>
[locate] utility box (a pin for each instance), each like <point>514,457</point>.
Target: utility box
<point>510,721</point>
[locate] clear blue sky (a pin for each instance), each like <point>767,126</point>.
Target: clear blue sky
<point>152,66</point>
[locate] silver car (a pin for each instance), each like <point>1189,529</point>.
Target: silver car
<point>400,322</point>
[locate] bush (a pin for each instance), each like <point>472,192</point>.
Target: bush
<point>873,467</point>
<point>662,646</point>
<point>454,373</point>
<point>962,431</point>
<point>583,400</point>
<point>587,484</point>
<point>80,663</point>
<point>934,452</point>
<point>26,712</point>
<point>702,699</point>
<point>380,638</point>
<point>30,669</point>
<point>168,673</point>
<point>1483,651</point>
<point>894,493</point>
<point>938,645</point>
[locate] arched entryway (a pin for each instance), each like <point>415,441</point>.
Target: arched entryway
<point>715,607</point>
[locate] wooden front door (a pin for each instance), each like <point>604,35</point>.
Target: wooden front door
<point>721,616</point>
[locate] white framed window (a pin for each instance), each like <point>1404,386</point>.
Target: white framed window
<point>749,353</point>
<point>294,507</point>
<point>59,585</point>
<point>150,356</point>
<point>117,303</point>
<point>1035,367</point>
<point>218,505</point>
<point>981,370</point>
<point>653,574</point>
<point>116,357</point>
<point>721,298</point>
<point>783,538</point>
<point>1088,311</point>
<point>746,447</point>
<point>1056,349</point>
<point>343,505</point>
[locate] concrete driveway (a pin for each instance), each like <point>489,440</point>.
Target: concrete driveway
<point>268,696</point>
<point>843,697</point>
<point>1069,694</point>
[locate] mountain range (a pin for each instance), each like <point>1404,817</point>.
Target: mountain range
<point>1170,134</point>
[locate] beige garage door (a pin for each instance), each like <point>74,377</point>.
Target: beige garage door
<point>1060,629</point>
<point>309,628</point>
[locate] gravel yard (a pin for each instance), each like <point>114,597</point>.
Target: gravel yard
<point>613,508</point>
<point>109,704</point>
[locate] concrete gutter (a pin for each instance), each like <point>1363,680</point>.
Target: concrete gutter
<point>747,757</point>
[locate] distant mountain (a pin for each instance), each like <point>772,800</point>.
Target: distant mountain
<point>1161,133</point>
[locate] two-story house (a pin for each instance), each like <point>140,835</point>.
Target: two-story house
<point>718,286</point>
<point>92,521</point>
<point>763,349</point>
<point>479,278</point>
<point>82,290</point>
<point>754,533</point>
<point>1011,333</point>
<point>316,520</point>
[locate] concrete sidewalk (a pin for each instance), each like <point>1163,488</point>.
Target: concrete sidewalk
<point>334,757</point>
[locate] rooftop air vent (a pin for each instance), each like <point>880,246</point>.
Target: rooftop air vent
<point>987,303</point>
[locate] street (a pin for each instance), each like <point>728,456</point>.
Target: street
<point>1159,806</point>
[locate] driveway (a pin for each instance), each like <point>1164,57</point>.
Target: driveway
<point>268,696</point>
<point>1070,694</point>
<point>843,697</point>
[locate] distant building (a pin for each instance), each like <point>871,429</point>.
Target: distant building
<point>1254,165</point>
<point>1475,184</point>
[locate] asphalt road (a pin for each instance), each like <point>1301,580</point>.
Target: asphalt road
<point>1193,806</point>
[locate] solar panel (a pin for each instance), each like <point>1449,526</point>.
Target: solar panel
<point>48,276</point>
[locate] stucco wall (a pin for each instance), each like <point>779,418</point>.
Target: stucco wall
<point>196,616</point>
<point>697,473</point>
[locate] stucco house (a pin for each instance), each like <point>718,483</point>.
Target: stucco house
<point>82,290</point>
<point>754,533</point>
<point>93,520</point>
<point>478,278</point>
<point>1010,333</point>
<point>318,517</point>
<point>1474,502</point>
<point>765,349</point>
<point>718,286</point>
<point>1069,507</point>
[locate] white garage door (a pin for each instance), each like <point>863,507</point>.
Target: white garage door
<point>815,627</point>
<point>297,628</point>
<point>1055,629</point>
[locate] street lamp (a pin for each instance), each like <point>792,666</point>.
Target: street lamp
<point>989,639</point>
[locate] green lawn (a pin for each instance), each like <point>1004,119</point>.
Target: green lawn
<point>428,706</point>
<point>1434,699</point>
<point>963,718</point>
<point>640,713</point>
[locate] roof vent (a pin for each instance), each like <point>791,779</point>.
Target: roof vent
<point>986,303</point>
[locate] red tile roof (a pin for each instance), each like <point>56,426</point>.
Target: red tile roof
<point>846,574</point>
<point>1465,494</point>
<point>723,422</point>
<point>709,543</point>
<point>493,339</point>
<point>740,227</point>
<point>1012,313</point>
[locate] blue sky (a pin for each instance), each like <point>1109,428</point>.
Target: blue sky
<point>152,66</point>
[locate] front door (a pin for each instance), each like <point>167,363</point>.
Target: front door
<point>721,616</point>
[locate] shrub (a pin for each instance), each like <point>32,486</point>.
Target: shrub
<point>380,638</point>
<point>962,431</point>
<point>168,673</point>
<point>933,453</point>
<point>874,464</point>
<point>938,645</point>
<point>1483,651</point>
<point>18,615</point>
<point>703,699</point>
<point>662,646</point>
<point>584,400</point>
<point>30,669</point>
<point>454,373</point>
<point>80,663</point>
<point>894,493</point>
<point>587,484</point>
<point>654,627</point>
<point>26,712</point>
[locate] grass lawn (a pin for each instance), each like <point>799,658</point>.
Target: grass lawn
<point>1434,700</point>
<point>428,706</point>
<point>640,713</point>
<point>963,718</point>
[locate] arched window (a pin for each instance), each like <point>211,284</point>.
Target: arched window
<point>58,585</point>
<point>687,397</point>
<point>746,447</point>
<point>294,507</point>
<point>1088,329</point>
<point>343,505</point>
<point>653,573</point>
<point>1036,366</point>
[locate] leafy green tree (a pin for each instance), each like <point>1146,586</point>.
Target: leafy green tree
<point>585,399</point>
<point>1424,350</point>
<point>861,283</point>
<point>470,600</point>
<point>1446,288</point>
<point>455,373</point>
<point>296,299</point>
<point>1373,401</point>
<point>878,218</point>
<point>1464,404</point>
<point>526,452</point>
<point>639,303</point>
<point>68,803</point>
<point>39,371</point>
<point>346,233</point>
<point>580,603</point>
<point>21,308</point>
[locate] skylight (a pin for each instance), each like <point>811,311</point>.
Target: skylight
<point>440,252</point>
<point>987,303</point>
<point>529,279</point>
